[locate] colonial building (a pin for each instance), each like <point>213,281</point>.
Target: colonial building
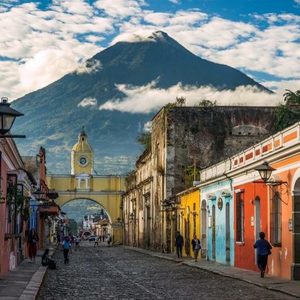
<point>83,183</point>
<point>267,202</point>
<point>183,141</point>
<point>16,186</point>
<point>186,218</point>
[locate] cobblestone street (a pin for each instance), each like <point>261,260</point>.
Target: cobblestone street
<point>116,273</point>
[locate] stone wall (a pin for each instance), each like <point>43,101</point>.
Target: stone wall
<point>190,136</point>
<point>205,136</point>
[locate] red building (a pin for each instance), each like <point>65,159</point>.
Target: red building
<point>251,217</point>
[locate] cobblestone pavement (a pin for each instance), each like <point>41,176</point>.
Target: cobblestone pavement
<point>116,273</point>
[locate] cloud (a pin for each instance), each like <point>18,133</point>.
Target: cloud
<point>175,1</point>
<point>86,102</point>
<point>120,8</point>
<point>148,98</point>
<point>43,45</point>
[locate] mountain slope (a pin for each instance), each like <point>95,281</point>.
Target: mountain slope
<point>53,117</point>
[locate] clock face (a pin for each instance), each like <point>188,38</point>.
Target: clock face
<point>83,160</point>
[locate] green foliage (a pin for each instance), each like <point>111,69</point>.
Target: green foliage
<point>180,101</point>
<point>207,103</point>
<point>191,173</point>
<point>291,98</point>
<point>145,140</point>
<point>288,113</point>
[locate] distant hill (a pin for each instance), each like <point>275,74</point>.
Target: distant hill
<point>53,117</point>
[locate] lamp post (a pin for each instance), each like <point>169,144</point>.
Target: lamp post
<point>7,118</point>
<point>265,173</point>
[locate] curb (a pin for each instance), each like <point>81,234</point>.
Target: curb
<point>33,287</point>
<point>154,254</point>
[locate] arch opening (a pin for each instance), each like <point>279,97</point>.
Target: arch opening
<point>87,217</point>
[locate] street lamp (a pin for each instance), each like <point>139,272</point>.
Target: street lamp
<point>7,118</point>
<point>265,172</point>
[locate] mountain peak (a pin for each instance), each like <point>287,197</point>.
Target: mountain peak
<point>145,36</point>
<point>159,36</point>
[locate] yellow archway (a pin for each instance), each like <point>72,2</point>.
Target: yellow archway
<point>83,184</point>
<point>104,190</point>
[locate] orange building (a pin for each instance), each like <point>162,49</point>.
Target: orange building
<point>251,217</point>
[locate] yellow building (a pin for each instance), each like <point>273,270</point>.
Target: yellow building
<point>189,217</point>
<point>105,190</point>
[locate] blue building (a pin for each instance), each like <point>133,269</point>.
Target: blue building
<point>217,205</point>
<point>33,214</point>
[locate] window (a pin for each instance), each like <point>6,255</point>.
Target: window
<point>240,217</point>
<point>276,219</point>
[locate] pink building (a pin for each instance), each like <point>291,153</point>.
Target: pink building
<point>15,185</point>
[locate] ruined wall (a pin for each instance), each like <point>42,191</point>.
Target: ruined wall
<point>181,136</point>
<point>158,146</point>
<point>208,135</point>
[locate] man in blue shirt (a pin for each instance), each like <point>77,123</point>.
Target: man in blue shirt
<point>263,248</point>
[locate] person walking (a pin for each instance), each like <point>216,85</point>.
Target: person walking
<point>263,248</point>
<point>108,239</point>
<point>32,244</point>
<point>179,244</point>
<point>196,245</point>
<point>66,249</point>
<point>96,241</point>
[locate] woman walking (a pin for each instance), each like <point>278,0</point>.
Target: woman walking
<point>32,244</point>
<point>66,249</point>
<point>196,245</point>
<point>263,248</point>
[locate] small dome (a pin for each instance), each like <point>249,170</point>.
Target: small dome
<point>82,145</point>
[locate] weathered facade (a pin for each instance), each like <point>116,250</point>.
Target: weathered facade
<point>190,138</point>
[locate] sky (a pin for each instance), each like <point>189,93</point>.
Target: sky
<point>40,41</point>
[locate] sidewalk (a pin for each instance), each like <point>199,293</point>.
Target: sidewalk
<point>287,287</point>
<point>24,282</point>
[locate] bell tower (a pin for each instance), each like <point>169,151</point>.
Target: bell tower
<point>82,156</point>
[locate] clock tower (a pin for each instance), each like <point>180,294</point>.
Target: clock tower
<point>82,156</point>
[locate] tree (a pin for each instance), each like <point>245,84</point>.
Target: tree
<point>144,139</point>
<point>207,103</point>
<point>288,113</point>
<point>180,101</point>
<point>291,98</point>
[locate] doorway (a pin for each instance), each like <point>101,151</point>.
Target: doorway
<point>257,218</point>
<point>296,231</point>
<point>213,232</point>
<point>203,228</point>
<point>227,217</point>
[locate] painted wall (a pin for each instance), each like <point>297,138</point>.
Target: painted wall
<point>244,251</point>
<point>189,218</point>
<point>219,192</point>
<point>281,260</point>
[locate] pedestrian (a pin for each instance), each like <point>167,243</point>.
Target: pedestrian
<point>108,239</point>
<point>179,244</point>
<point>32,244</point>
<point>66,249</point>
<point>96,241</point>
<point>77,241</point>
<point>196,245</point>
<point>263,248</point>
